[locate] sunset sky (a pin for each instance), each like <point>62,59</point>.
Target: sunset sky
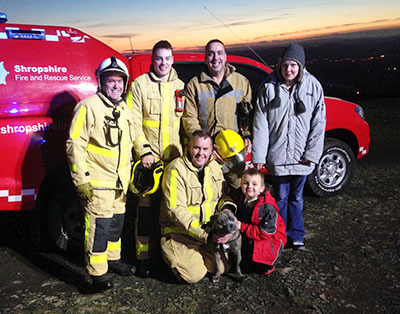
<point>189,24</point>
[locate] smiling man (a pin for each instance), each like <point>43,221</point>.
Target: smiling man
<point>99,149</point>
<point>215,97</point>
<point>192,187</point>
<point>157,123</point>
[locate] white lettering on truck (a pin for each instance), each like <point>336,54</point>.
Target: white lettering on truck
<point>11,129</point>
<point>19,68</point>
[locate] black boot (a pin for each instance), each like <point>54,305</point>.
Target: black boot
<point>145,268</point>
<point>100,284</point>
<point>120,268</point>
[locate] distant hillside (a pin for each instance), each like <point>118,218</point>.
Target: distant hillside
<point>351,68</point>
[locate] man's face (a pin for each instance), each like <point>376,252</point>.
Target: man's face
<point>216,58</point>
<point>113,86</point>
<point>252,186</point>
<point>162,62</point>
<point>290,69</point>
<point>200,151</point>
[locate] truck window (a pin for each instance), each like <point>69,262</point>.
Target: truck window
<point>255,75</point>
<point>188,69</point>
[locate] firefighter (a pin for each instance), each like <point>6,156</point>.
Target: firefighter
<point>219,97</point>
<point>156,112</point>
<point>193,190</point>
<point>99,149</point>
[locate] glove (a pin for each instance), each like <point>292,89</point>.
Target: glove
<point>85,191</point>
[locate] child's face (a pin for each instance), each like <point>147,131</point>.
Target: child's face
<point>252,186</point>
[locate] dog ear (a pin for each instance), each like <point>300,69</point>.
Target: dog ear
<point>229,214</point>
<point>209,224</point>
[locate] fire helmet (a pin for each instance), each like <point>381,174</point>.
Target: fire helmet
<point>112,66</point>
<point>146,181</point>
<point>231,149</point>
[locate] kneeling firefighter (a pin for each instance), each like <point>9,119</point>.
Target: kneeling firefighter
<point>99,150</point>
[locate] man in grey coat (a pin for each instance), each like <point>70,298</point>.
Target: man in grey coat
<point>288,135</point>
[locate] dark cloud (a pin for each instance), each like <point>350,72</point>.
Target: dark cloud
<point>119,36</point>
<point>328,28</point>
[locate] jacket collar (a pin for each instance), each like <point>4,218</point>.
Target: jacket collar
<point>109,103</point>
<point>172,75</point>
<point>205,76</point>
<point>190,165</point>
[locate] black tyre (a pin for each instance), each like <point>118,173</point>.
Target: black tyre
<point>61,218</point>
<point>334,170</point>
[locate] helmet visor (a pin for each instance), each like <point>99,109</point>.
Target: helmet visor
<point>235,163</point>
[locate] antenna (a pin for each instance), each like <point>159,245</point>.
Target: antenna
<point>243,42</point>
<point>130,41</point>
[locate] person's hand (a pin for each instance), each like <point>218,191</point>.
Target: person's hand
<point>148,160</point>
<point>85,191</point>
<point>237,222</point>
<point>221,238</point>
<point>258,166</point>
<point>305,161</point>
<point>247,145</point>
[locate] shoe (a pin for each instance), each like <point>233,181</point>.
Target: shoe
<point>298,246</point>
<point>144,269</point>
<point>269,271</point>
<point>100,284</point>
<point>120,268</point>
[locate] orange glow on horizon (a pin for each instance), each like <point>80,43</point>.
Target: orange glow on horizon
<point>190,43</point>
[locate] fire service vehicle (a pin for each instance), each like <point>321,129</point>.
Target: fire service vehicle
<point>46,70</point>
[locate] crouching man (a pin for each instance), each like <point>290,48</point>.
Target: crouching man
<point>193,189</point>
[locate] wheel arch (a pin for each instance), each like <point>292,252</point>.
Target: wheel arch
<point>345,136</point>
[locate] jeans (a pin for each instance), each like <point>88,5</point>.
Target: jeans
<point>288,192</point>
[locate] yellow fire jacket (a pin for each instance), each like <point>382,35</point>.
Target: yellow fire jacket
<point>155,118</point>
<point>188,204</point>
<point>211,107</point>
<point>99,150</point>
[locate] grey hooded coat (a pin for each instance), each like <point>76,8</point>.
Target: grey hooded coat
<point>280,136</point>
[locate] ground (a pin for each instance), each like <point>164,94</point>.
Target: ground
<point>351,265</point>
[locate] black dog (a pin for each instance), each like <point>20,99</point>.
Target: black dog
<point>223,223</point>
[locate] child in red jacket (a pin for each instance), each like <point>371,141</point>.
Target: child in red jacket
<point>263,229</point>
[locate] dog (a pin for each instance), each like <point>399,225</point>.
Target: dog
<point>223,223</point>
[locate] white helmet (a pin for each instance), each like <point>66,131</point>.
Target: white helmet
<point>112,66</point>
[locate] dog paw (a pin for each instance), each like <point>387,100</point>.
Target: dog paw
<point>215,279</point>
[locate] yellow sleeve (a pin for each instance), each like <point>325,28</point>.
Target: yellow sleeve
<point>135,103</point>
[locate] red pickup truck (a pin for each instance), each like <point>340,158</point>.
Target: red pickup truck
<point>46,70</point>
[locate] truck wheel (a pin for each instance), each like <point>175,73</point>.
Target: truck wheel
<point>61,218</point>
<point>334,170</point>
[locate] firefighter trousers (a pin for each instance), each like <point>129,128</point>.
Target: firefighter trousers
<point>104,220</point>
<point>147,227</point>
<point>190,259</point>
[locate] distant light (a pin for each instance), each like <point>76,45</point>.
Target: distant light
<point>394,69</point>
<point>382,56</point>
<point>358,93</point>
<point>14,110</point>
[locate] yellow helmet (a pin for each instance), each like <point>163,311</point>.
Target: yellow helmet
<point>146,181</point>
<point>231,149</point>
<point>229,143</point>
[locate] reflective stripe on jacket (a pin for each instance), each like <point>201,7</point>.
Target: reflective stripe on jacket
<point>280,137</point>
<point>156,120</point>
<point>213,108</point>
<point>92,147</point>
<point>187,203</point>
